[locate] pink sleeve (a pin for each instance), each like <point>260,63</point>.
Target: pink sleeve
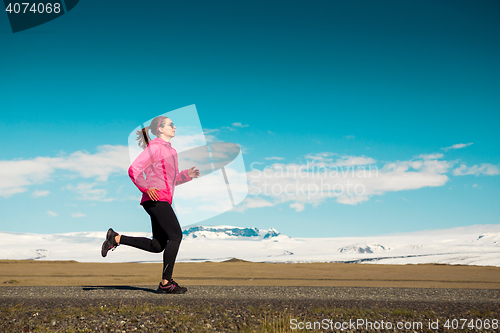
<point>182,177</point>
<point>137,168</point>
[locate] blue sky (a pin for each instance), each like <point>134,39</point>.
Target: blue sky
<point>393,84</point>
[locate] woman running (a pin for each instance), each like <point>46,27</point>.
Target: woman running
<point>158,162</point>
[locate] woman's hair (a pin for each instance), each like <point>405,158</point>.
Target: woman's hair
<point>143,134</point>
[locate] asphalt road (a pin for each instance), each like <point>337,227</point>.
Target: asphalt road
<point>11,295</point>
<point>232,309</point>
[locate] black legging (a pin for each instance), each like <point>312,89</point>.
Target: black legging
<point>167,235</point>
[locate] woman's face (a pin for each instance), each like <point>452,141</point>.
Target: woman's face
<point>169,128</point>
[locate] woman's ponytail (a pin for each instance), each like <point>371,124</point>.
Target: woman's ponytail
<point>143,137</point>
<point>154,126</point>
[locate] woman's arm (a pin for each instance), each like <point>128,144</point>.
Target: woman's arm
<point>137,168</point>
<point>187,175</point>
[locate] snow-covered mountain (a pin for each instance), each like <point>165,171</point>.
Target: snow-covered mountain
<point>472,245</point>
<point>229,232</point>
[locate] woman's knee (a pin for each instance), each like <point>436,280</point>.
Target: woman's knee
<point>176,236</point>
<point>156,246</point>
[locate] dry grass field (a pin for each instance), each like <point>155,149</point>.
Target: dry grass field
<point>237,296</point>
<point>239,273</point>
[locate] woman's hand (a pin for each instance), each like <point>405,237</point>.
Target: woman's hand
<point>152,194</point>
<point>193,173</point>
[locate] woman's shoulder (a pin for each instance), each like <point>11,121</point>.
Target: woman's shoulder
<point>155,141</point>
<point>161,146</point>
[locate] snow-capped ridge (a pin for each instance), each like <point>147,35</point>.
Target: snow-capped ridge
<point>271,233</point>
<point>470,245</point>
<point>229,232</point>
<point>492,238</point>
<point>373,248</point>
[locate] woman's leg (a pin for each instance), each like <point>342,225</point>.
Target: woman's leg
<point>146,244</point>
<point>167,231</point>
<point>155,245</point>
<point>167,235</point>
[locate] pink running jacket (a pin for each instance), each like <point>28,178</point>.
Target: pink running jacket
<point>158,162</point>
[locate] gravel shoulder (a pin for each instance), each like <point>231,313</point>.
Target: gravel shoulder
<point>239,296</point>
<point>249,293</point>
<point>240,308</point>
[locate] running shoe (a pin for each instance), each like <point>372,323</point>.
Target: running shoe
<point>172,287</point>
<point>110,242</point>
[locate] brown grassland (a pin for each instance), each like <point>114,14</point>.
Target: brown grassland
<point>239,273</point>
<point>238,296</point>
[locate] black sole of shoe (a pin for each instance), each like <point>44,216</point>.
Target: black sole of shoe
<point>161,291</point>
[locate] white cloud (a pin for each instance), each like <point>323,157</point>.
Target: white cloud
<point>108,160</point>
<point>485,169</point>
<point>78,214</point>
<point>326,159</point>
<point>87,191</point>
<point>233,127</point>
<point>351,199</point>
<point>17,175</point>
<point>37,194</point>
<point>51,213</point>
<point>321,156</point>
<point>252,202</point>
<point>458,146</point>
<point>211,191</point>
<point>431,156</point>
<point>298,206</point>
<point>347,179</point>
<point>210,130</point>
<point>275,158</point>
<point>353,160</point>
<point>182,143</point>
